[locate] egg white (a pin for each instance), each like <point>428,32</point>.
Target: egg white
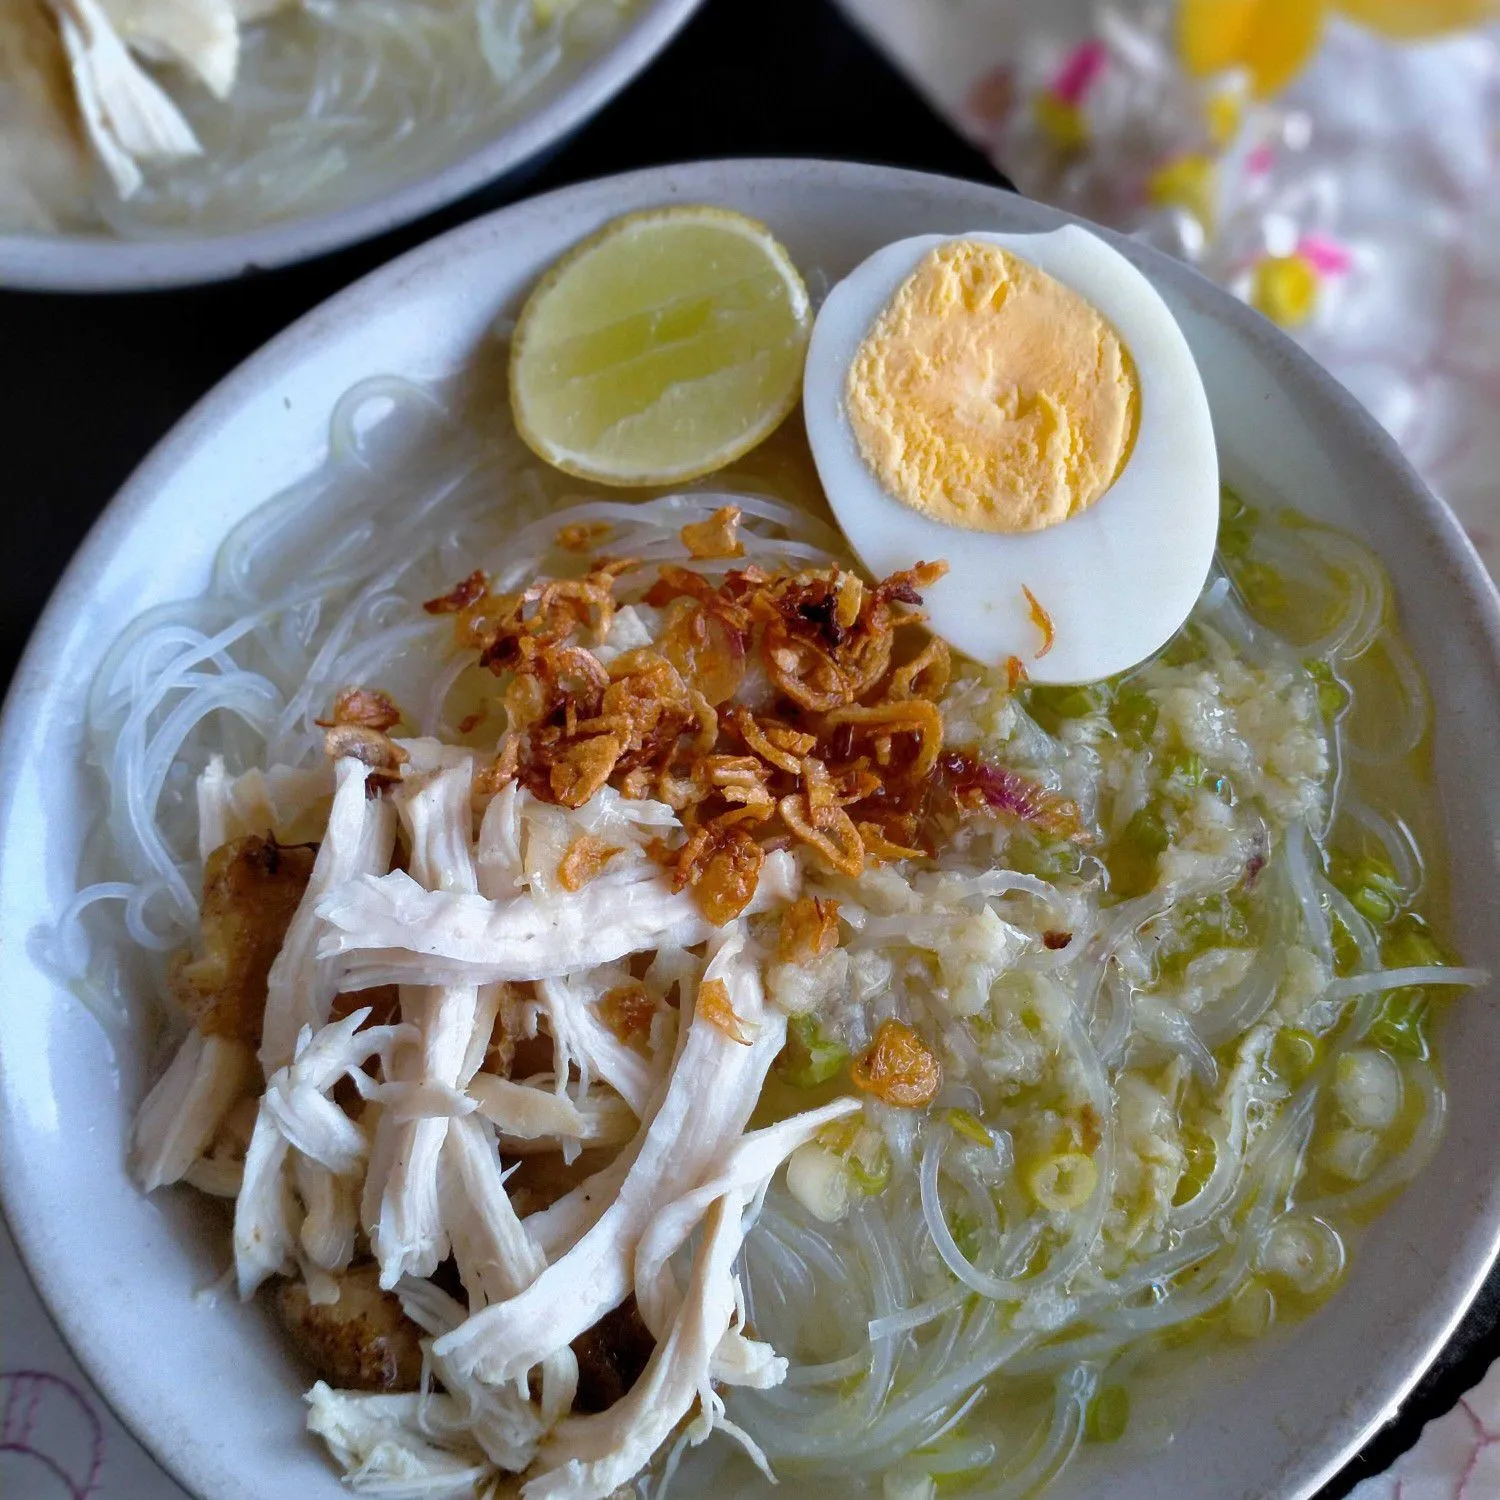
<point>1119,578</point>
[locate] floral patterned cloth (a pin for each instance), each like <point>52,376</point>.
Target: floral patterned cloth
<point>58,1440</point>
<point>1456,1458</point>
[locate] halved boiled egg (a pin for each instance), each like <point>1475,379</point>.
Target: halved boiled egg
<point>1024,408</point>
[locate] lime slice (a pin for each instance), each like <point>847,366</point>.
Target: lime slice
<point>661,349</point>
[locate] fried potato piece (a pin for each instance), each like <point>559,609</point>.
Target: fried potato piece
<point>362,1342</point>
<point>251,887</point>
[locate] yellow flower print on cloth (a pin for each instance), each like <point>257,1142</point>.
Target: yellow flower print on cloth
<point>1272,40</point>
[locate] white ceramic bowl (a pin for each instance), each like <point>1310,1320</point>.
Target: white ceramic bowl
<point>211,1390</point>
<point>577,88</point>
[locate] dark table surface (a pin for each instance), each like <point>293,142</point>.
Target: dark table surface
<point>91,383</point>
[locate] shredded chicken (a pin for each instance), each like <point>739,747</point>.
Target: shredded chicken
<point>748,1165</point>
<point>588,1458</point>
<point>533,1119</point>
<point>273,802</point>
<point>128,117</point>
<point>190,1102</point>
<point>202,36</point>
<point>251,887</point>
<point>400,1209</point>
<point>43,165</point>
<point>582,1039</point>
<point>301,985</point>
<point>220,1169</point>
<point>497,1260</point>
<point>330,1219</point>
<point>397,1442</point>
<point>371,923</point>
<point>297,1114</point>
<point>565,961</point>
<point>524,1112</point>
<point>712,1089</point>
<point>73,84</point>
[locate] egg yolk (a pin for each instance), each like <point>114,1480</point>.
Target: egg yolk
<point>990,396</point>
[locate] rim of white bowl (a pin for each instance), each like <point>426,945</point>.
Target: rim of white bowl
<point>618,193</point>
<point>105,263</point>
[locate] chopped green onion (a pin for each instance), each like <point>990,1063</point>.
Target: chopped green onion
<point>809,1058</point>
<point>1263,587</point>
<point>1185,765</point>
<point>863,1152</point>
<point>1212,922</point>
<point>1133,858</point>
<point>1146,833</point>
<point>1345,949</point>
<point>1065,702</point>
<point>1370,884</point>
<point>1201,1153</point>
<point>1333,696</point>
<point>1134,715</point>
<point>1051,859</point>
<point>872,1175</point>
<point>1373,903</point>
<point>965,1232</point>
<point>1409,945</point>
<point>1185,648</point>
<point>1236,525</point>
<point>1062,1182</point>
<point>1401,1026</point>
<point>1295,1053</point>
<point>969,1126</point>
<point>1185,769</point>
<point>1108,1415</point>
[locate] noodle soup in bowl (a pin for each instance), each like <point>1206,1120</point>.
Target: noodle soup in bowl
<point>1248,1353</point>
<point>266,132</point>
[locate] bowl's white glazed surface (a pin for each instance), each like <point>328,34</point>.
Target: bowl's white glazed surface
<point>582,83</point>
<point>210,1389</point>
